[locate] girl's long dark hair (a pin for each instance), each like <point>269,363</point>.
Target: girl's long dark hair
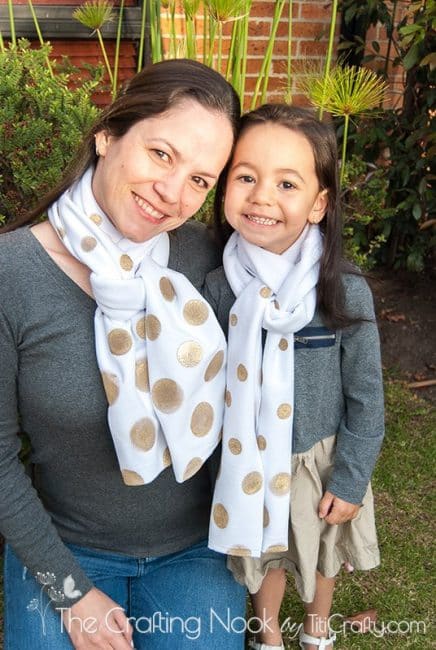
<point>155,90</point>
<point>322,138</point>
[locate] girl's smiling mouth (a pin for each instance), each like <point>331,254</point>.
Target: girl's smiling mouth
<point>261,221</point>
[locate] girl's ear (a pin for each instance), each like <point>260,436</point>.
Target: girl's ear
<point>319,207</point>
<point>101,143</point>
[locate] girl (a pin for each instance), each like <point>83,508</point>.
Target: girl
<point>304,374</point>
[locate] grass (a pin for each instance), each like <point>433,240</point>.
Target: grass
<point>401,588</point>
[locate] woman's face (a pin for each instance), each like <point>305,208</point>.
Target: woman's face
<point>157,175</point>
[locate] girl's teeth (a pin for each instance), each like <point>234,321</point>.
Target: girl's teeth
<point>147,208</point>
<point>261,220</point>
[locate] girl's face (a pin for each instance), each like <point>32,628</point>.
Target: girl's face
<point>272,189</point>
<point>157,175</point>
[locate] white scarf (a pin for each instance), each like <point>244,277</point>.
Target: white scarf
<point>250,512</point>
<point>160,349</point>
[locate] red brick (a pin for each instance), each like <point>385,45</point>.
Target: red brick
<point>316,11</point>
<point>312,48</point>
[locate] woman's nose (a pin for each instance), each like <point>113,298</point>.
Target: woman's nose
<point>170,188</point>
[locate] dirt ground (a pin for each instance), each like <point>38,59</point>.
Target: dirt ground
<point>406,314</point>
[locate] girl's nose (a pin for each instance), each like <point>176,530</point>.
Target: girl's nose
<point>262,194</point>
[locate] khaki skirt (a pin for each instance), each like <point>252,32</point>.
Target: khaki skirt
<point>313,544</point>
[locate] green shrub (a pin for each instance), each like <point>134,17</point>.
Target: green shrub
<point>366,214</point>
<point>42,120</point>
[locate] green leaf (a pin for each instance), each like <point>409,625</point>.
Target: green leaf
<point>412,57</point>
<point>417,211</point>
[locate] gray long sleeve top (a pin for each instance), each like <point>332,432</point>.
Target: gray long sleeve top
<point>50,388</point>
<point>338,384</point>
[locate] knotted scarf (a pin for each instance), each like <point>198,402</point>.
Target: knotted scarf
<point>159,348</point>
<point>276,293</point>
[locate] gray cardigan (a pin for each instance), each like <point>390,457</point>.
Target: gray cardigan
<point>50,387</point>
<point>338,385</point>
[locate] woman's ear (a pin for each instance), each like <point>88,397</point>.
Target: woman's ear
<point>319,207</point>
<point>101,143</point>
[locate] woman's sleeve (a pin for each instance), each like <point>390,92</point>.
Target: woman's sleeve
<point>24,522</point>
<point>362,428</point>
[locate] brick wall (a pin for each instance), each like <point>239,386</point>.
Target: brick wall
<point>310,30</point>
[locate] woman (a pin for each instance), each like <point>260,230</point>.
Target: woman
<point>121,555</point>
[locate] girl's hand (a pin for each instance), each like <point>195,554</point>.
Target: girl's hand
<point>96,622</point>
<point>335,510</point>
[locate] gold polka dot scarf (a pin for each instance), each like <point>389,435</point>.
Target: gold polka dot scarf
<point>159,348</point>
<point>250,511</point>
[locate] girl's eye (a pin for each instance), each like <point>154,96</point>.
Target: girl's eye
<point>200,182</point>
<point>161,154</point>
<point>287,185</point>
<point>246,179</point>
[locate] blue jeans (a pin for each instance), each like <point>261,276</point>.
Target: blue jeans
<point>184,600</point>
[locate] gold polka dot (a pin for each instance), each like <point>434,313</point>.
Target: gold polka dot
<point>284,411</point>
<point>220,515</point>
<point>192,468</point>
<point>96,218</point>
<point>252,483</point>
<point>277,548</point>
<point>239,551</point>
<point>235,446</point>
<point>126,262</point>
<point>202,419</point>
<point>152,327</point>
<point>167,395</point>
<point>120,341</point>
<point>141,375</point>
<point>283,345</point>
<point>265,292</point>
<point>140,327</point>
<point>261,443</point>
<point>88,244</point>
<point>111,386</point>
<point>132,478</point>
<point>167,289</point>
<point>166,457</point>
<point>280,484</point>
<point>242,372</point>
<point>214,366</point>
<point>189,354</point>
<point>233,319</point>
<point>195,312</point>
<point>228,398</point>
<point>60,232</point>
<point>143,434</point>
<point>265,517</point>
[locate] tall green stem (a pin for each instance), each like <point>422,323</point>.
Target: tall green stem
<point>12,22</point>
<point>106,60</point>
<point>156,49</point>
<point>266,64</point>
<point>205,24</point>
<point>2,44</point>
<point>41,40</point>
<point>212,33</point>
<point>117,50</point>
<point>142,36</point>
<point>328,62</point>
<point>344,148</point>
<point>289,61</point>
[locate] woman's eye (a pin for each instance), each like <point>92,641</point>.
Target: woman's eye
<point>161,154</point>
<point>200,182</point>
